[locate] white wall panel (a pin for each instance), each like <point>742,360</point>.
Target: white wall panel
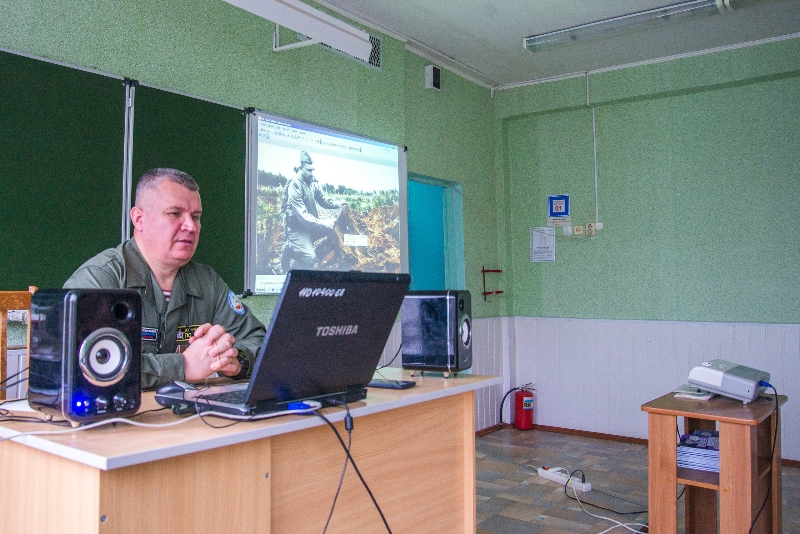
<point>489,354</point>
<point>594,375</point>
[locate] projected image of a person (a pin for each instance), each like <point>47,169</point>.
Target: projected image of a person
<point>302,223</point>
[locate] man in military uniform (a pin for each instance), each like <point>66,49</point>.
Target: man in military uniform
<point>193,325</point>
<point>301,222</point>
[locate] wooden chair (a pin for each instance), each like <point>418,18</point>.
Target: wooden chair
<point>12,300</point>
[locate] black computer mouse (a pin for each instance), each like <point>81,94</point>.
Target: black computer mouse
<point>171,396</point>
<point>174,387</point>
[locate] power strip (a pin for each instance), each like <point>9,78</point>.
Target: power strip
<point>561,478</point>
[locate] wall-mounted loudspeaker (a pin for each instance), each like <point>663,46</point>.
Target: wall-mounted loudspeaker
<point>437,331</point>
<point>85,362</point>
<point>433,77</point>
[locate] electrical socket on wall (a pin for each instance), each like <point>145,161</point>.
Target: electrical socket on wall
<point>590,229</point>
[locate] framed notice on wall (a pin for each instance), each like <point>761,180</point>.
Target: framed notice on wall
<point>543,243</point>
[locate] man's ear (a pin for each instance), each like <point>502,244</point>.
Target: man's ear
<point>136,217</point>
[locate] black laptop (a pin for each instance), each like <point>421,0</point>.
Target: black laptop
<point>323,343</point>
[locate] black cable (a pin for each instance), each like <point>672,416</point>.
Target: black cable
<point>393,358</point>
<point>199,412</point>
<point>583,479</point>
<point>5,417</point>
<point>12,384</point>
<point>595,490</point>
<point>772,454</point>
<point>510,391</point>
<point>137,414</point>
<point>353,463</point>
<point>348,425</point>
<point>15,375</point>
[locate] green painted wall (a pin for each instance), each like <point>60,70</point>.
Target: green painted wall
<point>698,174</point>
<point>216,51</point>
<point>699,190</point>
<point>448,134</point>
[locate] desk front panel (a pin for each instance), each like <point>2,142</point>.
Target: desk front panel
<point>419,461</point>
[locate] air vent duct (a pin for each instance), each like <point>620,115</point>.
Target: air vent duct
<point>375,56</point>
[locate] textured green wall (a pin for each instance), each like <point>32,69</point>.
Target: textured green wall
<point>449,137</point>
<point>699,190</point>
<point>216,51</point>
<point>698,177</point>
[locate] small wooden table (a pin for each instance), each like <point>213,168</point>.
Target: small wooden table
<point>748,472</point>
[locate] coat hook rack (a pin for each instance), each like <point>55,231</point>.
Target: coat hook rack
<point>484,270</point>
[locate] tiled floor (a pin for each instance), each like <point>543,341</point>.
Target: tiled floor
<point>513,499</point>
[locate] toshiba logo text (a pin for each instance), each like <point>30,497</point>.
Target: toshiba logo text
<point>341,330</point>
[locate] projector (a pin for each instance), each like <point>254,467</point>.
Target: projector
<point>729,379</point>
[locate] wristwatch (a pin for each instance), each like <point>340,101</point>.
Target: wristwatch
<point>244,372</point>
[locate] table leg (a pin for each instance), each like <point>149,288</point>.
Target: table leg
<point>777,486</point>
<point>662,473</point>
<point>700,504</point>
<point>738,476</point>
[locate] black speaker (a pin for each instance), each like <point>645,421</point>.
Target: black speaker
<point>437,331</point>
<point>86,355</point>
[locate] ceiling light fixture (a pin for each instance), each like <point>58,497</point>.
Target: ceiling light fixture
<point>320,26</point>
<point>642,20</point>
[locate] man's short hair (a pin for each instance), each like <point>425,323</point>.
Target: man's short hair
<point>154,177</point>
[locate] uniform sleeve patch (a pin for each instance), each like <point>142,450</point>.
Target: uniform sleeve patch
<point>235,304</point>
<point>149,334</point>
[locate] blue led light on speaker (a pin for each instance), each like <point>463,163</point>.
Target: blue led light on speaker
<point>81,403</point>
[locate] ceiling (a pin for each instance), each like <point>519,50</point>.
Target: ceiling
<point>482,40</point>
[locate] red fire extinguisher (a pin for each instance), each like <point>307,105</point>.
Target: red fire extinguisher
<point>523,408</point>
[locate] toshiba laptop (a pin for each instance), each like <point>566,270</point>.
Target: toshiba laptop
<point>323,343</point>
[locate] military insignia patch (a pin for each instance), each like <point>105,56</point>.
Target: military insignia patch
<point>185,333</point>
<point>235,304</point>
<point>149,334</point>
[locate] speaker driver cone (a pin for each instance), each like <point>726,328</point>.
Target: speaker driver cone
<point>105,356</point>
<point>465,331</point>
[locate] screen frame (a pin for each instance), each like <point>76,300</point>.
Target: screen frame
<point>251,183</point>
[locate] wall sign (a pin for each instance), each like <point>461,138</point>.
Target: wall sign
<point>558,205</point>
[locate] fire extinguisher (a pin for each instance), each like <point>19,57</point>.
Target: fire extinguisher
<point>523,408</point>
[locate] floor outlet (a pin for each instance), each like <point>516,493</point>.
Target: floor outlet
<point>561,478</point>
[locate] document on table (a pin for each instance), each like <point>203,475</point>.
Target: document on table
<point>691,392</point>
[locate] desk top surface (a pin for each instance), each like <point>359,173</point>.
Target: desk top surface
<point>717,408</point>
<point>120,445</point>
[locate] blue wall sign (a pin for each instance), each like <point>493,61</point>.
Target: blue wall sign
<point>558,205</point>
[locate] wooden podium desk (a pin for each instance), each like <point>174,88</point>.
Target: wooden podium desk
<point>415,448</point>
<point>745,442</point>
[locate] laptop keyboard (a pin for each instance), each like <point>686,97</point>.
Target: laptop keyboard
<point>230,397</point>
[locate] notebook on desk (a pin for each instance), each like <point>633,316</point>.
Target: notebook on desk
<point>323,343</point>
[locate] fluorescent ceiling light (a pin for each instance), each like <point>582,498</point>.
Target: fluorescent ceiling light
<point>311,22</point>
<point>642,20</point>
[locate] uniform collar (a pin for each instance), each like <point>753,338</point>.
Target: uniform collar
<point>138,274</point>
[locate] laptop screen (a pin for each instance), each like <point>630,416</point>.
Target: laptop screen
<point>327,333</point>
